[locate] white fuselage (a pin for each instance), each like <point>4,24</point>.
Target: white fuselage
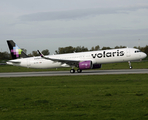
<point>97,57</point>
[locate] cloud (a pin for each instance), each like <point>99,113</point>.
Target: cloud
<point>60,15</point>
<point>79,13</point>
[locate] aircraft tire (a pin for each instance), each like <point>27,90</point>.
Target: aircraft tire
<point>72,71</point>
<point>79,71</point>
<point>131,67</point>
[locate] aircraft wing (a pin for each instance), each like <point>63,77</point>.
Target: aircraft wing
<point>69,62</point>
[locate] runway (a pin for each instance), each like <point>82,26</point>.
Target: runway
<point>67,73</point>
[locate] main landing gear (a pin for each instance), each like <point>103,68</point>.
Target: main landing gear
<point>73,71</point>
<point>130,65</point>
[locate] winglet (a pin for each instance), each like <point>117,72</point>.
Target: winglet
<point>43,56</point>
<point>40,53</point>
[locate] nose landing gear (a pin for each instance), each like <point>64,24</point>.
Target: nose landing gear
<point>130,65</point>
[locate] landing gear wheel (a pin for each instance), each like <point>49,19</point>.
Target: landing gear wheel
<point>131,67</point>
<point>79,71</point>
<point>72,71</point>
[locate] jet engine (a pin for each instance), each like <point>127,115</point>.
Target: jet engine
<point>85,65</point>
<point>88,65</point>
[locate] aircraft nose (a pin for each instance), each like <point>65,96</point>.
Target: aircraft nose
<point>144,55</point>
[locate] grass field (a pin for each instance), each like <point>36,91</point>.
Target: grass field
<point>136,65</point>
<point>103,97</point>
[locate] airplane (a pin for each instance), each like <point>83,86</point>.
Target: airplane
<point>81,60</point>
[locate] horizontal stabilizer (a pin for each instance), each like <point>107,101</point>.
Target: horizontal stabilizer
<point>13,62</point>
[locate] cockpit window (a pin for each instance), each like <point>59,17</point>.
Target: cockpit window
<point>137,51</point>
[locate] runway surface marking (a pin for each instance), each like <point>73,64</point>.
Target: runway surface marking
<point>67,73</point>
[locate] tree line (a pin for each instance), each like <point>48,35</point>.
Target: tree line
<point>69,49</point>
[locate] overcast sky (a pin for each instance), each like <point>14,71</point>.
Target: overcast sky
<point>49,24</point>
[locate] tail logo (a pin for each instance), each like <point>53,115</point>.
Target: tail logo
<point>16,51</point>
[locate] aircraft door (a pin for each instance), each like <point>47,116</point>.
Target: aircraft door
<point>128,53</point>
<point>28,63</point>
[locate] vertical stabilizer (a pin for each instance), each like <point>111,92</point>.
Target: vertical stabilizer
<point>15,51</point>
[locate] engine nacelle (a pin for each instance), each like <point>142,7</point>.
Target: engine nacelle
<point>96,66</point>
<point>88,65</point>
<point>85,65</point>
